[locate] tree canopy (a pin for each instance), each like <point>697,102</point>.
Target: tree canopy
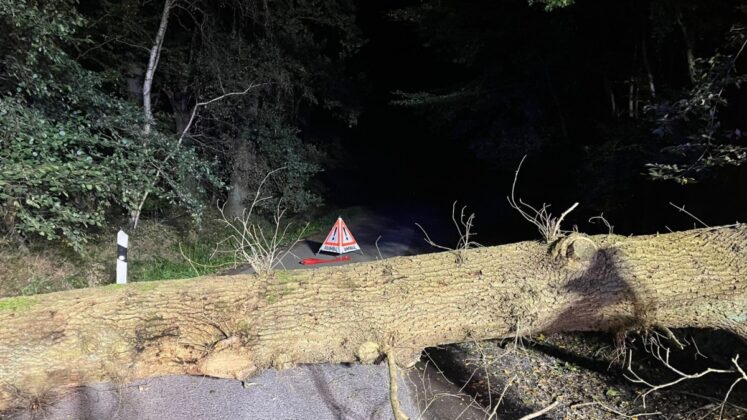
<point>625,94</point>
<point>74,151</point>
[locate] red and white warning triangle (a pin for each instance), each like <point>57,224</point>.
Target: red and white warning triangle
<point>340,240</point>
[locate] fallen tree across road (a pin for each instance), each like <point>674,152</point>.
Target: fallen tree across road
<point>235,327</point>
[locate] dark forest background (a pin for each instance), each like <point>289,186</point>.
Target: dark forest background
<point>623,106</point>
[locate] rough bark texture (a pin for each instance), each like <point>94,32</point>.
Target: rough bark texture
<point>155,55</point>
<point>233,327</point>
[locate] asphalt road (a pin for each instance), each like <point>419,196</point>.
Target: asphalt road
<point>318,392</point>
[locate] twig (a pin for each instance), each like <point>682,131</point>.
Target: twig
<point>697,350</point>
<point>610,227</point>
<point>548,226</point>
<point>464,227</point>
<point>656,353</point>
<point>715,400</point>
<point>500,399</point>
<point>556,229</point>
<point>743,377</point>
<point>670,335</point>
<point>432,398</point>
<point>682,210</point>
<point>541,412</point>
<point>430,242</point>
<point>196,264</point>
<point>189,260</point>
<point>612,410</point>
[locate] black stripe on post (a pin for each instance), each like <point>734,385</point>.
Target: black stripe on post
<point>121,253</point>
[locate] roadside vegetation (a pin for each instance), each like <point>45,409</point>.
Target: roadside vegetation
<point>100,128</point>
<point>162,250</point>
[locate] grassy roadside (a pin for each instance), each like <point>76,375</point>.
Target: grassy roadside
<point>157,251</point>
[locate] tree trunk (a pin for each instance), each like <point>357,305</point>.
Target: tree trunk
<point>155,55</point>
<point>181,104</point>
<point>134,80</point>
<point>234,327</point>
<point>243,166</point>
<point>689,47</point>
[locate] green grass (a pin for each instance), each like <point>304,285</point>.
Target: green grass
<point>285,276</point>
<point>203,262</point>
<point>39,285</point>
<point>155,254</point>
<point>20,303</point>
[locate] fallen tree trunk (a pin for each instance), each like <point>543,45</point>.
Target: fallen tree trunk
<point>234,327</point>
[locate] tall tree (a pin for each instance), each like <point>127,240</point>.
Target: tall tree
<point>153,58</point>
<point>294,50</point>
<point>72,151</point>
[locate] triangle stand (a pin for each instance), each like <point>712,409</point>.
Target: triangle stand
<point>340,240</point>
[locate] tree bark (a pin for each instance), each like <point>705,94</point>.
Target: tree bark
<point>243,169</point>
<point>689,47</point>
<point>155,55</point>
<point>234,327</point>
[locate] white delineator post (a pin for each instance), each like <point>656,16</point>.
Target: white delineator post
<point>121,257</point>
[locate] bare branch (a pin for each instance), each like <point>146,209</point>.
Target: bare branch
<point>655,349</point>
<point>612,410</point>
<point>742,377</point>
<point>250,242</point>
<point>377,247</point>
<point>682,210</point>
<point>500,399</point>
<point>464,225</point>
<point>136,213</point>
<point>430,242</point>
<point>541,412</point>
<point>556,225</point>
<point>610,227</point>
<point>548,226</point>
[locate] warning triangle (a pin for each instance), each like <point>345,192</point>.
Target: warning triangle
<point>340,240</point>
